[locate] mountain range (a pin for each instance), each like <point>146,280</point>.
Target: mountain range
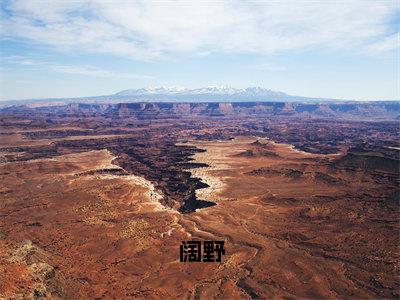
<point>177,94</point>
<point>211,94</point>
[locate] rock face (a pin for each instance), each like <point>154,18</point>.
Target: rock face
<point>368,162</point>
<point>38,280</point>
<point>144,110</point>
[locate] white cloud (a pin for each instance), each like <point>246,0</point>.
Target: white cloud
<point>148,30</point>
<point>388,43</point>
<point>21,60</point>
<point>270,67</point>
<point>96,72</point>
<point>68,69</point>
<point>91,71</point>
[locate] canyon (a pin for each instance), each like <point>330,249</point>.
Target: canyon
<point>96,199</point>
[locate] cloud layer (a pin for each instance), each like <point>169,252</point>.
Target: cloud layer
<point>146,30</point>
<point>68,69</point>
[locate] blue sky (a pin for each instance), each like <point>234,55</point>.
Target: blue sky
<point>337,49</point>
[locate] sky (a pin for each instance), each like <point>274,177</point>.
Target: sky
<point>334,49</point>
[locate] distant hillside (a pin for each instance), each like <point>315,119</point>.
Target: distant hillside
<point>168,94</point>
<point>379,110</point>
<point>210,94</point>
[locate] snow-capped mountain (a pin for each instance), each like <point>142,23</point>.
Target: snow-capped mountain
<point>152,91</point>
<point>208,94</point>
<point>221,90</point>
<point>179,90</point>
<point>204,94</point>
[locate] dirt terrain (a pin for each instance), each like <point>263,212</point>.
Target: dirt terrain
<point>316,231</point>
<point>94,204</point>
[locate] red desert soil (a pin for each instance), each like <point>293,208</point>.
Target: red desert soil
<point>292,226</point>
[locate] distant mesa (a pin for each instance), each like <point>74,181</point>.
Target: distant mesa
<point>378,110</point>
<point>178,94</point>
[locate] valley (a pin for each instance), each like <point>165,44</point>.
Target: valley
<point>96,199</point>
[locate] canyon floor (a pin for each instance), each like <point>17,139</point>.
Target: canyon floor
<point>100,213</point>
